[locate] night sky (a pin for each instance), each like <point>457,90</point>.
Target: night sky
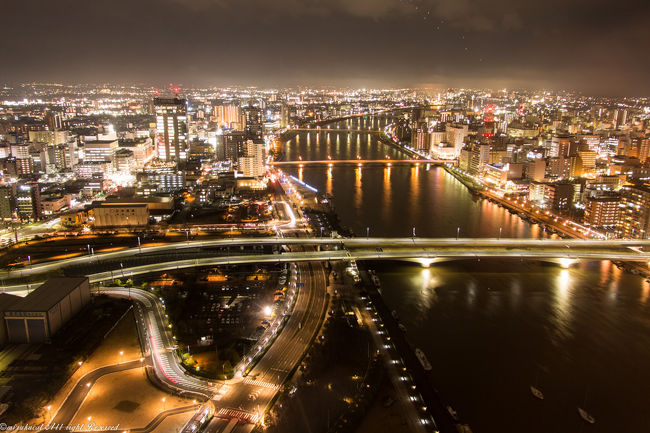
<point>599,47</point>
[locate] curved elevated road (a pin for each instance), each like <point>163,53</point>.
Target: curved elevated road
<point>553,251</point>
<point>465,247</point>
<point>159,347</point>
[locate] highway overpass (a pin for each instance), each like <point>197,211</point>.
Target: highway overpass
<point>449,247</point>
<point>563,252</point>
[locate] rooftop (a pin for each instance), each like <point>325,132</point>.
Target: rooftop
<point>7,301</point>
<point>47,294</point>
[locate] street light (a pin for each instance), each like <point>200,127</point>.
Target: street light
<point>367,232</point>
<point>413,231</point>
<point>500,228</point>
<point>458,233</point>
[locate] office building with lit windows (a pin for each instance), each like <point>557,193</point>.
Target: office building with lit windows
<point>171,128</point>
<point>634,220</point>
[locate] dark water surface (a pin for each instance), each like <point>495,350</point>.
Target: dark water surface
<point>491,328</point>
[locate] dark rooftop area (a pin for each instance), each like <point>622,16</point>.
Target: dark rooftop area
<point>47,294</point>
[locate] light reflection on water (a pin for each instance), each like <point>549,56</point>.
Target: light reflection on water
<point>490,327</point>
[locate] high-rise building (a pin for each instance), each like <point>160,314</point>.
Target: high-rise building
<point>456,134</point>
<point>602,212</point>
<point>479,158</point>
<point>620,117</point>
<point>28,202</point>
<point>233,145</point>
<point>6,203</point>
<point>563,146</point>
<point>228,115</point>
<point>254,126</point>
<point>420,137</point>
<point>284,115</point>
<point>252,163</point>
<point>50,137</point>
<point>634,220</point>
<point>171,126</point>
<point>558,196</point>
<point>100,150</point>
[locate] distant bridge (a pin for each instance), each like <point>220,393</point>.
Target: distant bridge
<point>358,162</point>
<point>328,130</point>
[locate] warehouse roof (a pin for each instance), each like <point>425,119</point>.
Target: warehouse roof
<point>47,294</point>
<point>7,301</point>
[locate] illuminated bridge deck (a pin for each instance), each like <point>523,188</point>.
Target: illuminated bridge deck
<point>357,162</point>
<point>424,251</point>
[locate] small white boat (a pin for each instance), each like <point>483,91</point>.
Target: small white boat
<point>423,359</point>
<point>584,415</point>
<point>453,413</point>
<point>536,392</point>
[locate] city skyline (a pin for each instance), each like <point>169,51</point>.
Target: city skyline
<point>396,43</point>
<point>333,216</point>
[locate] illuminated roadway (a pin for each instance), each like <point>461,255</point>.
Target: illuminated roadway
<point>158,346</point>
<point>424,250</point>
<point>551,250</point>
<point>248,400</point>
<point>596,249</point>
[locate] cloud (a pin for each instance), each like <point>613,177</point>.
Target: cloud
<point>372,9</point>
<point>476,15</point>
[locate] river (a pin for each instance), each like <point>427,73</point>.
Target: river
<point>491,328</point>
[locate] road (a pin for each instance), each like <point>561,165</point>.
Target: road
<point>350,243</point>
<point>159,346</point>
<point>78,394</point>
<point>28,231</point>
<point>554,253</point>
<point>256,391</point>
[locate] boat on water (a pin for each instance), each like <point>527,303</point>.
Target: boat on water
<point>401,327</point>
<point>536,392</point>
<point>586,416</point>
<point>453,413</point>
<point>423,359</point>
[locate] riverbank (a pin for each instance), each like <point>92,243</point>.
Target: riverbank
<point>432,406</point>
<point>549,223</point>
